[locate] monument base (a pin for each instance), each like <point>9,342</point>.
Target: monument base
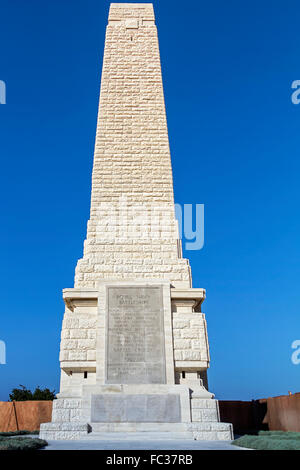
<point>133,355</point>
<point>154,412</point>
<point>151,431</point>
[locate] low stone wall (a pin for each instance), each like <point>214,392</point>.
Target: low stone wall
<point>24,415</point>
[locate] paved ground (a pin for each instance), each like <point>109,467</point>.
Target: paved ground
<point>177,444</point>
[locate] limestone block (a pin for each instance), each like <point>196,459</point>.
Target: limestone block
<point>66,403</point>
<point>91,355</point>
<point>64,435</point>
<point>190,355</point>
<point>78,333</point>
<point>205,415</point>
<point>65,334</point>
<point>205,436</point>
<point>197,403</point>
<point>217,427</point>
<point>211,431</point>
<point>182,343</point>
<point>181,324</point>
<point>63,355</point>
<point>67,430</point>
<point>87,323</point>
<point>197,321</point>
<point>77,355</point>
<point>75,415</point>
<point>85,344</point>
<point>69,344</point>
<point>190,333</point>
<point>70,322</point>
<point>60,415</point>
<point>91,334</point>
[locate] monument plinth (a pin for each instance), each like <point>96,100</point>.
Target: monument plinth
<point>134,349</point>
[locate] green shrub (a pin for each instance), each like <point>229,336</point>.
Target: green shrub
<point>24,394</point>
<point>17,433</point>
<point>14,433</point>
<point>21,443</point>
<point>280,434</point>
<point>43,394</point>
<point>268,442</point>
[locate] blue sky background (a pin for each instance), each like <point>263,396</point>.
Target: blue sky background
<point>235,142</point>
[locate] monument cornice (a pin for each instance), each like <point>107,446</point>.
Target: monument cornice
<point>88,296</point>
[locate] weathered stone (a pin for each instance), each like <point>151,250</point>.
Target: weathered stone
<point>135,335</point>
<point>152,408</point>
<point>130,329</point>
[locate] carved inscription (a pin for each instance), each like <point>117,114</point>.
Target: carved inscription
<point>135,335</point>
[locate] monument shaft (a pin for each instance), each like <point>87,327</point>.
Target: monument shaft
<point>132,174</point>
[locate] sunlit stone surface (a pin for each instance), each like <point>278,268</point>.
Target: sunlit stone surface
<point>134,348</point>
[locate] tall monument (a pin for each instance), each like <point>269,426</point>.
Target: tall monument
<point>134,349</point>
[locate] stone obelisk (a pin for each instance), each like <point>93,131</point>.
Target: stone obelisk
<point>132,164</point>
<point>134,349</point>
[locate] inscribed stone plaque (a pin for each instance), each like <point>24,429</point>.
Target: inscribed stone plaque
<point>123,408</point>
<point>135,349</point>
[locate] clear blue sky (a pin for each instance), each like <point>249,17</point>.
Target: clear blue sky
<point>235,142</point>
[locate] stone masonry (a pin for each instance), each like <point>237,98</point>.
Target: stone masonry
<point>111,351</point>
<point>132,163</point>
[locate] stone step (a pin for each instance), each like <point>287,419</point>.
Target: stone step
<point>138,427</point>
<point>195,430</point>
<point>139,436</point>
<point>136,431</point>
